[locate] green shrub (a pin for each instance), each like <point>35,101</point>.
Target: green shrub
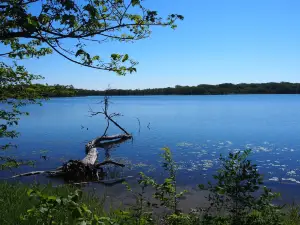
<point>236,193</point>
<point>166,193</point>
<point>15,201</point>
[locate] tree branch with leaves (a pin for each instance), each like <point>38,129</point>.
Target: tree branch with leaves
<point>89,20</point>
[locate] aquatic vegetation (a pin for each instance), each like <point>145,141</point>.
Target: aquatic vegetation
<point>291,173</point>
<point>274,179</point>
<point>184,144</point>
<point>206,163</point>
<point>139,165</point>
<point>291,179</point>
<point>203,157</point>
<point>43,151</point>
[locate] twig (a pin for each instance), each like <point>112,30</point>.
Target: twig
<point>108,116</point>
<point>139,124</point>
<point>115,123</point>
<point>104,134</point>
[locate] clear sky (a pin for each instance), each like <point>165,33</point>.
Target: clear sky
<point>219,41</point>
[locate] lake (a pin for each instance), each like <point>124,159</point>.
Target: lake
<point>196,128</point>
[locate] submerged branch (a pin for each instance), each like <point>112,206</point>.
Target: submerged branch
<point>109,162</point>
<point>49,172</point>
<point>117,125</point>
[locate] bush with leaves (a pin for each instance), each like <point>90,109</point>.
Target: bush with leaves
<point>166,193</point>
<point>61,210</point>
<point>141,212</point>
<point>235,196</point>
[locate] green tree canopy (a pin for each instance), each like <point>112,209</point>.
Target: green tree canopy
<point>29,34</point>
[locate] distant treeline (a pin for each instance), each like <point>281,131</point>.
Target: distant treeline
<point>202,89</point>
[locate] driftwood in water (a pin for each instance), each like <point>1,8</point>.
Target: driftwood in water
<point>87,170</point>
<point>110,144</point>
<point>106,141</point>
<point>91,157</point>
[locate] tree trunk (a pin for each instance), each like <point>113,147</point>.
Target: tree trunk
<point>91,157</point>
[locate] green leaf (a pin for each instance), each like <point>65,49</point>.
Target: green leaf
<point>125,58</point>
<point>220,190</point>
<point>79,52</point>
<point>96,58</point>
<point>52,197</point>
<point>30,192</point>
<point>201,186</point>
<point>58,200</point>
<point>77,213</point>
<point>135,2</point>
<point>115,56</point>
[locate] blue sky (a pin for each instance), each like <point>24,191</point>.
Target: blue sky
<point>219,41</point>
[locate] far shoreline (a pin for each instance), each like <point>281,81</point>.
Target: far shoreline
<point>82,96</point>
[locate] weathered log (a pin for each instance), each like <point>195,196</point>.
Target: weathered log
<point>102,139</point>
<point>113,137</point>
<point>91,157</point>
<point>86,169</point>
<point>110,144</point>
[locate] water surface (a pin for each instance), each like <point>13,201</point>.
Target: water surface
<point>197,129</point>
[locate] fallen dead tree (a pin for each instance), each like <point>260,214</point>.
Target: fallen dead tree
<point>88,170</point>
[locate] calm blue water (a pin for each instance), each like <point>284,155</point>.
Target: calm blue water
<point>197,129</point>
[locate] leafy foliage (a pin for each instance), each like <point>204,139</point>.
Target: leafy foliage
<point>74,212</point>
<point>15,202</point>
<point>235,192</point>
<point>14,95</point>
<point>141,211</point>
<point>166,193</point>
<point>28,33</point>
<point>15,92</point>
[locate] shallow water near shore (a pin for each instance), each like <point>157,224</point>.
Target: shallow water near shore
<point>196,128</point>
